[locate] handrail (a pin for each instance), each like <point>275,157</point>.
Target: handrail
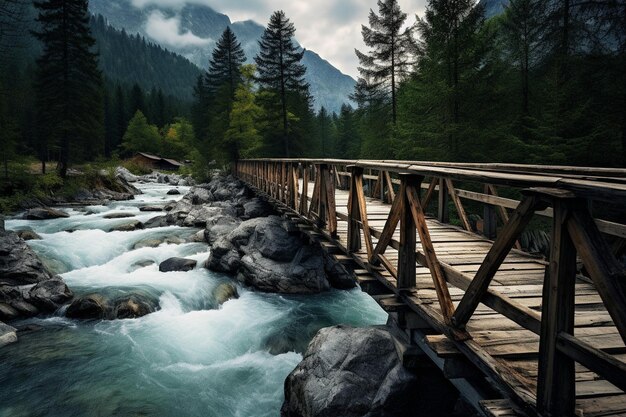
<point>557,192</point>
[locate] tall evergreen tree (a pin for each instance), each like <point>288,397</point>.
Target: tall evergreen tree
<point>280,69</point>
<point>390,59</point>
<point>137,101</point>
<point>225,64</point>
<point>69,84</point>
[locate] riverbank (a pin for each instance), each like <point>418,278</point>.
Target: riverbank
<point>192,355</point>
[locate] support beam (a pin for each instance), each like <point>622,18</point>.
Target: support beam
<point>407,262</point>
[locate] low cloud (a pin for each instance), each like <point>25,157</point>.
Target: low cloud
<point>166,30</point>
<point>332,28</point>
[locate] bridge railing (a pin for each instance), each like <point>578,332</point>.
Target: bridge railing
<point>567,195</point>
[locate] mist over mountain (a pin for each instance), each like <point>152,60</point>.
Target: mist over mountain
<point>192,31</point>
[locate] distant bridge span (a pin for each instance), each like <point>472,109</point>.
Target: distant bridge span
<point>517,334</point>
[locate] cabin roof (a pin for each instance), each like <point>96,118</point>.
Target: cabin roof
<point>159,159</point>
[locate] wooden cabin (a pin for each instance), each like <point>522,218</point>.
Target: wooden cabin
<point>150,161</point>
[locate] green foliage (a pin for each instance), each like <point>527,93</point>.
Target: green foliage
<point>141,136</point>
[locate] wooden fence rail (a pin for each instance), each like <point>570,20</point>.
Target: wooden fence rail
<point>402,193</point>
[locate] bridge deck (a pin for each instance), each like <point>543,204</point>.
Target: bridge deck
<point>520,278</point>
<point>474,306</point>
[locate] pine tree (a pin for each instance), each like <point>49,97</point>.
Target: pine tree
<point>280,70</point>
<point>324,125</point>
<point>225,64</point>
<point>69,85</point>
<point>137,101</point>
<point>449,32</point>
<point>390,59</point>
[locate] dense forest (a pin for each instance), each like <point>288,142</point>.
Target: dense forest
<point>542,82</point>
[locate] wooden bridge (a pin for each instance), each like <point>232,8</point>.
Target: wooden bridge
<point>517,333</point>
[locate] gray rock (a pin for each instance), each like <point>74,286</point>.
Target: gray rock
<point>25,309</point>
<point>173,191</point>
<point>44,213</point>
<point>147,243</point>
<point>8,334</point>
<point>91,306</point>
<point>128,176</point>
<point>7,312</point>
<point>50,295</point>
<point>1,223</point>
<point>134,306</point>
<point>127,227</point>
<point>151,208</point>
<point>355,372</point>
<point>28,235</point>
<point>220,226</point>
<point>177,264</point>
<point>141,264</point>
<point>19,265</point>
<point>224,257</point>
<point>257,208</point>
<point>159,221</point>
<point>224,292</point>
<point>200,216</point>
<point>118,215</point>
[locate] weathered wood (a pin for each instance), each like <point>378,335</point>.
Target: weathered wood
<point>305,188</point>
<point>408,236</point>
<point>442,204</point>
<point>417,211</point>
<point>606,271</point>
<point>489,218</point>
<point>390,226</point>
<point>459,206</point>
<point>429,192</point>
<point>556,389</point>
<point>493,260</point>
<point>391,195</point>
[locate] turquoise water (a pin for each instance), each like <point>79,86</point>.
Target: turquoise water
<point>190,358</point>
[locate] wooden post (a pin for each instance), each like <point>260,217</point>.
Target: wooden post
<point>490,222</point>
<point>305,189</point>
<point>442,214</point>
<point>354,232</point>
<point>408,237</point>
<point>556,386</point>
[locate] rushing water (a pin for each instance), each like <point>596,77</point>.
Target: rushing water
<point>190,358</point>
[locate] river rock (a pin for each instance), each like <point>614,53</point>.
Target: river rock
<point>147,243</point>
<point>91,306</point>
<point>219,226</point>
<point>118,215</point>
<point>224,257</point>
<point>25,309</point>
<point>177,264</point>
<point>128,176</point>
<point>19,265</point>
<point>158,221</point>
<point>356,372</point>
<point>173,191</point>
<point>224,292</point>
<point>151,208</point>
<point>44,213</point>
<point>256,208</point>
<point>141,264</point>
<point>51,294</point>
<point>127,227</point>
<point>8,313</point>
<point>201,215</point>
<point>134,305</point>
<point>28,235</point>
<point>8,334</point>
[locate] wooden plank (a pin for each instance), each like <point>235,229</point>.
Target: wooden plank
<point>408,237</point>
<point>606,272</point>
<point>556,389</point>
<point>459,206</point>
<point>430,256</point>
<point>496,255</point>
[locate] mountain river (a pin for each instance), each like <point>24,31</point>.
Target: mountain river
<point>190,358</point>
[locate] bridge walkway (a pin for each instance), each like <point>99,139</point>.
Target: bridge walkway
<point>495,355</point>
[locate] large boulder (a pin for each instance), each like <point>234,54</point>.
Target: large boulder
<point>219,226</point>
<point>134,305</point>
<point>356,372</point>
<point>263,254</point>
<point>173,191</point>
<point>19,265</point>
<point>127,227</point>
<point>91,306</point>
<point>44,213</point>
<point>177,264</point>
<point>158,221</point>
<point>50,295</point>
<point>256,208</point>
<point>126,175</point>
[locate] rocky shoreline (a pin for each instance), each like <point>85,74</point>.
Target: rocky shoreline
<point>345,371</point>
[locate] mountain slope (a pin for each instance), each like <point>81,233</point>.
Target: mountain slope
<point>199,27</point>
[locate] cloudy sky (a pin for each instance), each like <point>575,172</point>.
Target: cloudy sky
<point>332,28</point>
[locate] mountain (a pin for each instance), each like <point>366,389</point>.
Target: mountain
<point>197,27</point>
<point>130,59</point>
